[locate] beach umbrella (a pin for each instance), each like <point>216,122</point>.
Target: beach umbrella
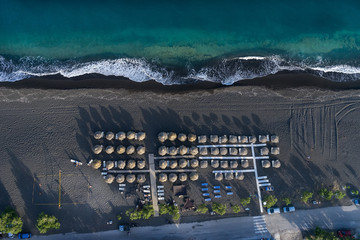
<point>141,178</point>
<point>140,150</point>
<point>109,178</point>
<point>130,150</point>
<point>262,138</point>
<point>130,178</point>
<point>224,164</point>
<point>265,163</point>
<point>182,137</point>
<point>215,163</point>
<point>223,151</point>
<point>109,149</point>
<point>131,164</point>
<point>234,164</point>
<point>163,177</point>
<point>219,176</point>
<point>203,164</point>
<point>252,139</point>
<point>120,178</point>
<point>239,176</point>
<point>172,177</point>
<point>243,151</point>
<point>173,164</point>
<point>97,149</point>
<point>275,150</point>
<point>264,151</point>
<point>96,164</point>
<point>214,138</point>
<point>163,136</point>
<point>244,139</point>
<point>214,151</point>
<point>120,136</point>
<point>183,163</point>
<point>193,150</point>
<point>274,139</point>
<point>194,163</point>
<point>130,135</point>
<point>244,163</point>
<point>203,151</point>
<point>173,150</point>
<point>162,151</point>
<point>194,176</point>
<point>233,151</point>
<point>233,139</point>
<point>98,135</point>
<point>162,164</point>
<point>109,136</point>
<point>121,164</point>
<point>229,176</point>
<point>140,136</point>
<point>120,149</point>
<point>202,139</point>
<point>223,139</point>
<point>276,163</point>
<point>110,165</point>
<point>172,136</point>
<point>182,177</point>
<point>140,164</point>
<point>183,150</point>
<point>191,137</point>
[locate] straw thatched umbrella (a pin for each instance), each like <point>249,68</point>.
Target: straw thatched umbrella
<point>96,164</point>
<point>109,178</point>
<point>262,138</point>
<point>183,163</point>
<point>194,163</point>
<point>239,176</point>
<point>109,136</point>
<point>182,137</point>
<point>110,165</point>
<point>234,164</point>
<point>120,178</point>
<point>173,150</point>
<point>121,164</point>
<point>243,151</point>
<point>130,150</point>
<point>265,163</point>
<point>219,176</point>
<point>204,164</point>
<point>223,151</point>
<point>182,177</point>
<point>191,137</point>
<point>274,139</point>
<point>172,177</point>
<point>243,139</point>
<point>275,150</point>
<point>163,177</point>
<point>162,136</point>
<point>109,149</point>
<point>264,151</point>
<point>130,178</point>
<point>173,164</point>
<point>141,178</point>
<point>98,135</point>
<point>215,163</point>
<point>203,151</point>
<point>224,164</point>
<point>97,149</point>
<point>140,136</point>
<point>140,164</point>
<point>140,150</point>
<point>162,151</point>
<point>214,151</point>
<point>214,138</point>
<point>252,139</point>
<point>202,139</point>
<point>172,136</point>
<point>130,135</point>
<point>244,163</point>
<point>229,176</point>
<point>276,163</point>
<point>183,150</point>
<point>194,176</point>
<point>131,164</point>
<point>120,149</point>
<point>233,139</point>
<point>162,164</point>
<point>223,139</point>
<point>233,151</point>
<point>120,136</point>
<point>193,150</point>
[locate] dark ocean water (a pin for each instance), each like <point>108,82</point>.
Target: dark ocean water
<point>175,42</point>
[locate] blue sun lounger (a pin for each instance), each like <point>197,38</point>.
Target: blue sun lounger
<point>204,189</point>
<point>204,184</point>
<point>216,187</point>
<point>217,196</point>
<point>229,193</point>
<point>207,199</point>
<point>228,187</point>
<point>216,191</point>
<point>205,194</point>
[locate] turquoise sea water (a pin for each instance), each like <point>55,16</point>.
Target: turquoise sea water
<point>170,41</point>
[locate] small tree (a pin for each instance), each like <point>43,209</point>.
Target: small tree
<point>236,208</point>
<point>270,200</point>
<point>170,209</point>
<point>119,217</point>
<point>10,222</point>
<point>219,208</point>
<point>339,195</point>
<point>202,208</point>
<point>287,201</point>
<point>325,193</point>
<point>245,201</point>
<point>354,192</point>
<point>305,196</point>
<point>46,222</point>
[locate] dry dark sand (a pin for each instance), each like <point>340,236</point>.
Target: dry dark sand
<point>42,129</point>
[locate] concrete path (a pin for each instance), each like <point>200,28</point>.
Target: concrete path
<point>153,185</point>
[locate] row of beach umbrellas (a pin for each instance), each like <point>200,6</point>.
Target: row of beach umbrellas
<point>274,163</point>
<point>120,178</point>
<point>121,164</point>
<point>194,163</point>
<point>229,176</point>
<point>140,150</point>
<point>130,135</point>
<point>172,177</point>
